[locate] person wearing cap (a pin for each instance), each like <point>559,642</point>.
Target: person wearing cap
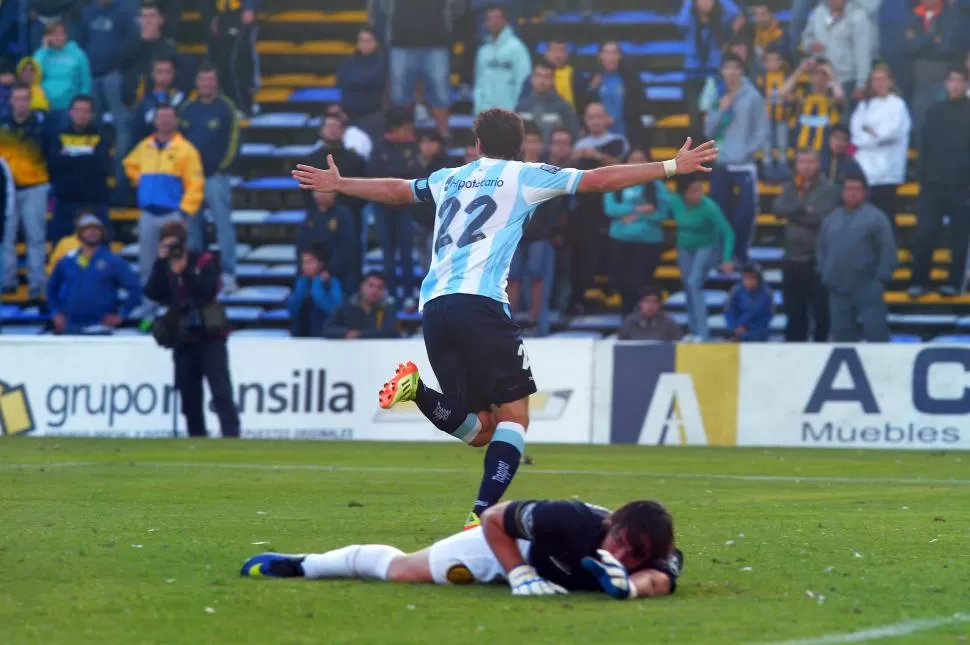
<point>80,163</point>
<point>748,309</point>
<point>944,186</point>
<point>856,256</point>
<point>834,159</point>
<point>83,291</point>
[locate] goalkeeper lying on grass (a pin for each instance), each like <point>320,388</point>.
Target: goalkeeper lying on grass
<point>540,548</point>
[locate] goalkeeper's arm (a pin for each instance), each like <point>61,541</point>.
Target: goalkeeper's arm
<point>650,582</point>
<point>503,545</point>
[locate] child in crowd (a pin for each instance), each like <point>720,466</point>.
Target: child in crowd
<point>774,154</point>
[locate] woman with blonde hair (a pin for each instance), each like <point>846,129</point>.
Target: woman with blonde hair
<point>880,132</point>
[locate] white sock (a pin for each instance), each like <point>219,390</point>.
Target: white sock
<point>355,561</point>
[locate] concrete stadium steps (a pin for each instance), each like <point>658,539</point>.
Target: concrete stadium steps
<point>298,26</point>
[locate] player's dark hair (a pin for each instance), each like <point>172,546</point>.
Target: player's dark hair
<point>648,527</point>
<point>544,64</point>
<point>374,274</point>
<point>500,133</point>
<point>83,98</point>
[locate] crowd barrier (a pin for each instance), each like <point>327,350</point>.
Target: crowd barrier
<point>840,396</point>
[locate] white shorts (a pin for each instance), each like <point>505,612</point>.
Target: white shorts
<point>465,557</point>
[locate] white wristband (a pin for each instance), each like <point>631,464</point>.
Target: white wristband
<point>670,168</point>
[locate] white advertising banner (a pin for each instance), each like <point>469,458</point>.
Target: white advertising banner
<point>855,396</point>
<point>284,388</point>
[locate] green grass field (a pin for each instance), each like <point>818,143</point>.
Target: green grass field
<point>141,542</point>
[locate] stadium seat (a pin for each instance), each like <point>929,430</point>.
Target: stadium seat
<point>282,271</point>
<point>566,18</point>
<point>952,339</point>
<point>251,270</point>
<point>634,18</point>
<point>905,338</point>
<point>271,183</point>
<point>598,322</point>
<point>268,295</point>
<point>317,95</point>
<point>295,151</point>
<point>286,217</point>
<point>679,317</point>
<point>22,330</point>
<point>243,314</point>
<point>272,253</point>
<point>663,78</point>
<point>279,120</point>
<point>713,299</point>
<point>261,333</point>
<point>778,322</point>
<point>409,316</point>
<point>766,254</point>
<point>665,93</point>
<point>249,217</point>
<point>257,150</point>
<point>577,333</point>
<point>923,320</point>
<point>279,315</point>
<point>129,331</point>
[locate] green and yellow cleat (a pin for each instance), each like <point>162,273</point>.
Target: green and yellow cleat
<point>403,386</point>
<point>472,521</point>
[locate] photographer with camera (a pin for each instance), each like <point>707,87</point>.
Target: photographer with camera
<point>194,327</point>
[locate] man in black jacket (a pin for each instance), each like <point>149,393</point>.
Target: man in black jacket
<point>80,163</point>
<point>944,161</point>
<point>189,281</point>
<point>397,156</point>
<point>368,314</point>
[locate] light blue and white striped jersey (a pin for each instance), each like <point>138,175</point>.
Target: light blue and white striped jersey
<point>483,208</point>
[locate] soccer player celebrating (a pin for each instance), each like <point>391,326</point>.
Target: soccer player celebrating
<point>539,548</point>
<point>474,346</point>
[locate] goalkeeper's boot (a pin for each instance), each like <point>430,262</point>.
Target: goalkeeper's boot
<point>273,565</point>
<point>403,386</point>
<point>472,521</point>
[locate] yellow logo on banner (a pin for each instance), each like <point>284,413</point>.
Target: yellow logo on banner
<point>16,416</point>
<point>713,372</point>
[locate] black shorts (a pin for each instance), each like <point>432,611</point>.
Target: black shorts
<point>476,351</point>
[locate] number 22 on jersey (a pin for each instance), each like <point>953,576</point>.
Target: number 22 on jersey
<point>480,209</point>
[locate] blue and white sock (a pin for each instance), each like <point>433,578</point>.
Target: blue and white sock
<point>501,462</point>
<point>447,415</point>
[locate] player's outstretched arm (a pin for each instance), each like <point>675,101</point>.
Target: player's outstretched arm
<point>522,577</point>
<point>612,178</point>
<point>385,191</point>
<point>615,581</point>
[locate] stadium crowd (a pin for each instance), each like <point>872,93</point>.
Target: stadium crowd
<point>826,105</point>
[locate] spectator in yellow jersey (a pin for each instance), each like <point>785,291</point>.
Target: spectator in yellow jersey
<point>233,47</point>
<point>774,153</point>
<point>167,171</point>
<point>211,125</point>
<point>24,143</point>
<point>819,108</point>
<point>768,32</point>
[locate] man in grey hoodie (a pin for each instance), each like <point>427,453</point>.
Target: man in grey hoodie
<point>842,33</point>
<point>856,255</point>
<point>544,107</point>
<point>740,126</point>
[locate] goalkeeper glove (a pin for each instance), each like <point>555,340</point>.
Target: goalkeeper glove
<point>526,582</point>
<point>610,574</point>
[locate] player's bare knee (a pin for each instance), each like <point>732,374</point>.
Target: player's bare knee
<point>484,436</point>
<point>515,412</point>
<point>410,567</point>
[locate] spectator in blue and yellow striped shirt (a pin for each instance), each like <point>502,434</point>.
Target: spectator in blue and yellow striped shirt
<point>819,108</point>
<point>774,153</point>
<point>210,123</point>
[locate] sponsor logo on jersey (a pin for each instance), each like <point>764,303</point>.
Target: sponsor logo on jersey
<point>451,184</point>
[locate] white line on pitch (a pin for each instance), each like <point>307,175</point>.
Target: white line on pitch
<point>903,628</point>
<point>542,471</point>
<point>52,464</point>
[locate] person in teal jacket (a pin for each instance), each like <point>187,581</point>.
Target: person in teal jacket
<point>703,237</point>
<point>315,297</point>
<point>501,65</point>
<point>636,234</point>
<point>67,71</point>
